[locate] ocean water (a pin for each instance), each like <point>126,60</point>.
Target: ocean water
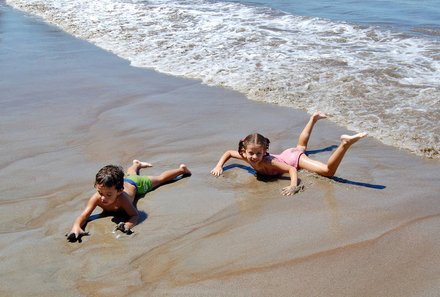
<point>401,15</point>
<point>373,65</point>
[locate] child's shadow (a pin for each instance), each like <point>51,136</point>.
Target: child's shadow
<point>118,216</point>
<point>266,178</point>
<point>244,167</point>
<point>259,176</point>
<point>343,180</point>
<point>326,149</point>
<point>355,183</point>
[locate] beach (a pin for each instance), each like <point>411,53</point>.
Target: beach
<point>69,108</point>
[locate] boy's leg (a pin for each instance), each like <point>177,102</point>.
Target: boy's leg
<point>335,159</point>
<point>305,134</point>
<point>169,175</point>
<point>136,166</point>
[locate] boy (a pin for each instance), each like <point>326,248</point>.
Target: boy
<point>117,191</point>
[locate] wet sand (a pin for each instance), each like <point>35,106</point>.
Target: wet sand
<point>69,108</point>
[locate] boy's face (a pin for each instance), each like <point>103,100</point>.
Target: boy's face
<point>254,153</point>
<point>108,195</point>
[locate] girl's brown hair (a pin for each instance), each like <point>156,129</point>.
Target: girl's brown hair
<point>256,139</point>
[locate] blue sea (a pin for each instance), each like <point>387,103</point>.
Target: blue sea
<point>373,65</point>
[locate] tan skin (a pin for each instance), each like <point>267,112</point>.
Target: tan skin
<point>254,154</point>
<point>111,199</point>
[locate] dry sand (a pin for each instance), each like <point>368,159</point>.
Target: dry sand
<point>69,108</point>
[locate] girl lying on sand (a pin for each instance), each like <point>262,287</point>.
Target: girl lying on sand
<point>253,150</point>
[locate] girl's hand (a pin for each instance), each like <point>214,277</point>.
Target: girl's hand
<point>217,171</point>
<point>291,190</point>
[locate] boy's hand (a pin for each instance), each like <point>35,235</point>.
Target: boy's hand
<point>291,190</point>
<point>73,236</point>
<point>121,227</point>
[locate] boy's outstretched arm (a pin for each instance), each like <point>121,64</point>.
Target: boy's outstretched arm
<point>132,212</point>
<point>218,169</point>
<point>77,230</point>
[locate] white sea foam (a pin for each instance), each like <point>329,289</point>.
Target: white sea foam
<point>370,80</point>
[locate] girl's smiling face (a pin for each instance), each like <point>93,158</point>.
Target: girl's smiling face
<point>107,195</point>
<point>254,153</point>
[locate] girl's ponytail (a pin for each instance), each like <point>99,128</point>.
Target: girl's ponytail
<point>266,143</point>
<point>240,146</point>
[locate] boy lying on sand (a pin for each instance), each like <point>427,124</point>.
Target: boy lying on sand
<point>117,191</point>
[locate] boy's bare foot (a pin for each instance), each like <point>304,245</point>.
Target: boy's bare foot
<point>142,164</point>
<point>185,169</point>
<point>350,139</point>
<point>318,115</point>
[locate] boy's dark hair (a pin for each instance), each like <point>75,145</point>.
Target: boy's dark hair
<point>256,139</point>
<point>109,176</point>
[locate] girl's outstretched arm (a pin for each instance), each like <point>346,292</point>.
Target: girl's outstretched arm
<point>218,169</point>
<point>293,188</point>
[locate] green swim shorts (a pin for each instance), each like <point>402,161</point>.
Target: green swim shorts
<point>142,183</point>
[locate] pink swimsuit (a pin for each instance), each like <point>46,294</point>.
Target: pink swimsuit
<point>290,157</point>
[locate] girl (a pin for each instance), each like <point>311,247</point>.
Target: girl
<point>253,150</point>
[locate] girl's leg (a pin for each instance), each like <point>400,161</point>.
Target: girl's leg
<point>335,159</point>
<point>169,175</point>
<point>136,166</point>
<point>305,134</point>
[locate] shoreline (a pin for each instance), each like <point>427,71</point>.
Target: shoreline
<point>362,87</point>
<point>71,108</point>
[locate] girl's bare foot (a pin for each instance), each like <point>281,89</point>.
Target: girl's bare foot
<point>350,139</point>
<point>185,169</point>
<point>141,164</point>
<point>318,115</point>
